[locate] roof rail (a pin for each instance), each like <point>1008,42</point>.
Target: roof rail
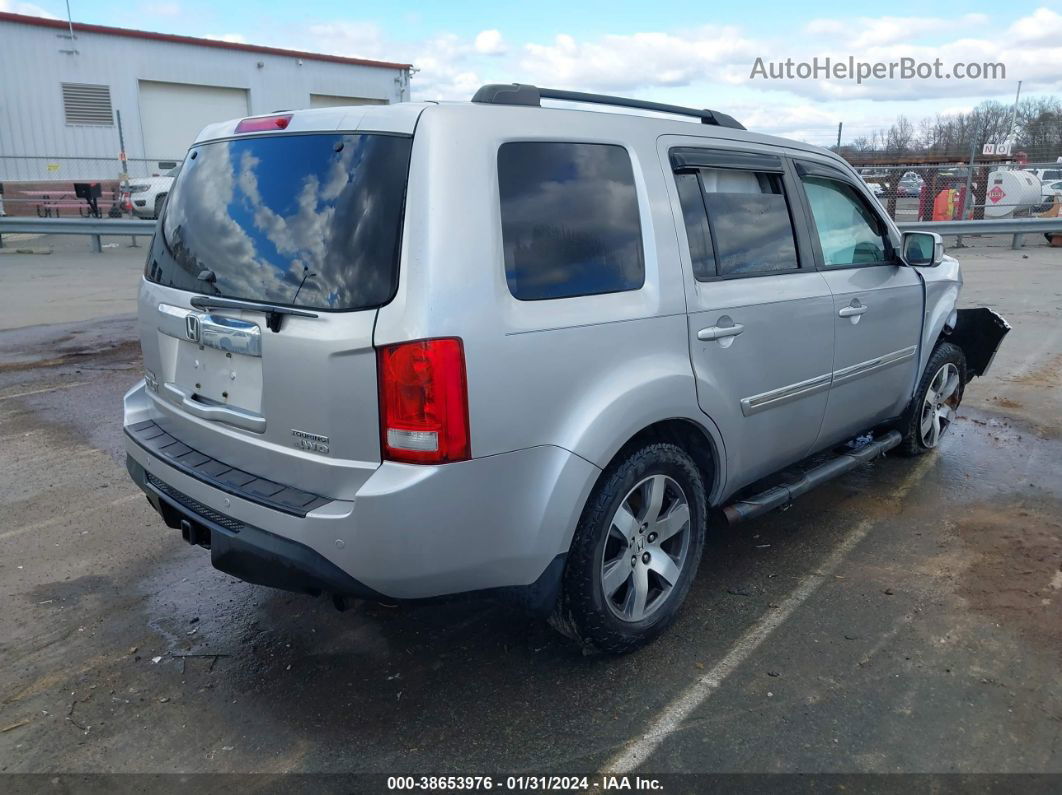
<point>523,94</point>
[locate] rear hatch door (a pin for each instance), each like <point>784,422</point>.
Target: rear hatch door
<point>261,293</point>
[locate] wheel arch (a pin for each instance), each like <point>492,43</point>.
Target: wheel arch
<point>693,437</point>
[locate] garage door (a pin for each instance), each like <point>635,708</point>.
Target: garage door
<point>172,114</point>
<point>334,101</point>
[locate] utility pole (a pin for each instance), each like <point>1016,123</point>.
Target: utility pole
<point>840,124</point>
<point>1014,116</point>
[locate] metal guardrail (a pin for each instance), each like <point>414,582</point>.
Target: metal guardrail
<point>992,226</point>
<point>95,228</point>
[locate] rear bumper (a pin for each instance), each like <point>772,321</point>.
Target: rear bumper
<point>410,532</point>
<point>247,552</point>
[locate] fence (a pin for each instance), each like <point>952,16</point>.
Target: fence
<point>938,192</point>
<point>44,186</point>
<point>46,168</point>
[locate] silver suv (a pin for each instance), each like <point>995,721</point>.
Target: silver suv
<point>419,350</point>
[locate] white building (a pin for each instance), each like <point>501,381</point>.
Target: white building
<point>60,98</point>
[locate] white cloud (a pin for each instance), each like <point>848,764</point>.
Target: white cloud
<point>877,31</point>
<point>29,9</point>
<point>1043,25</point>
<point>453,67</point>
<point>490,42</point>
<point>639,60</point>
<point>444,70</point>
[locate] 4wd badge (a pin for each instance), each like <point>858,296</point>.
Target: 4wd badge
<point>313,442</point>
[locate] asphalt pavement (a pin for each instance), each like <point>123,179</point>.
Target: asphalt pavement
<point>904,618</point>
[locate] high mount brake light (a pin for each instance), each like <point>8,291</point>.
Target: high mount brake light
<point>264,123</point>
<point>423,401</point>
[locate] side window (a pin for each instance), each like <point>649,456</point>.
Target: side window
<point>751,228</point>
<point>570,223</point>
<point>849,232</point>
<point>699,235</point>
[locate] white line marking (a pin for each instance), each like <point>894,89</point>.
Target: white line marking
<point>672,716</point>
<point>71,516</point>
<point>41,391</point>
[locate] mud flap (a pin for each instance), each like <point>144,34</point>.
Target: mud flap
<point>979,332</point>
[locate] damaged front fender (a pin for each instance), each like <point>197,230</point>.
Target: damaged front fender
<point>979,332</point>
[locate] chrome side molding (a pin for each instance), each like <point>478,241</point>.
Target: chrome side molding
<point>777,397</point>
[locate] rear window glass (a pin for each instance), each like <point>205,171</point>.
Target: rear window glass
<point>297,220</point>
<point>570,223</point>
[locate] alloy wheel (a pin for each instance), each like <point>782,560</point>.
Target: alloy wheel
<point>646,549</point>
<point>941,401</point>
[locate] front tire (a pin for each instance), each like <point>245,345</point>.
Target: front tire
<point>635,551</point>
<point>160,202</point>
<point>936,401</point>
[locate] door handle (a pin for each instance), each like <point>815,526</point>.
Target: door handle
<point>719,332</point>
<point>852,311</point>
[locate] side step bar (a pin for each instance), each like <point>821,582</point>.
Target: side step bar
<point>779,496</point>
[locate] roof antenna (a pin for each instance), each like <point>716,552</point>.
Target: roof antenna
<point>304,278</point>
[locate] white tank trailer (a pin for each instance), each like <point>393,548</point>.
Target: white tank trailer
<point>1010,191</point>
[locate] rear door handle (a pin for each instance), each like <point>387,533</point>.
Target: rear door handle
<point>230,416</point>
<point>719,332</point>
<point>852,311</point>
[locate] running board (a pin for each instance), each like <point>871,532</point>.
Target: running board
<point>779,496</point>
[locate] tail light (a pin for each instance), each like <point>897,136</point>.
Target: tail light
<point>264,123</point>
<point>423,401</point>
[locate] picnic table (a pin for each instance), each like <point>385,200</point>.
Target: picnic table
<point>49,201</point>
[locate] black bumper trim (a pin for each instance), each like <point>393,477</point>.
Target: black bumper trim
<point>247,552</point>
<point>220,475</point>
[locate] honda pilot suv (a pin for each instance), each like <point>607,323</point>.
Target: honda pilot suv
<point>412,351</point>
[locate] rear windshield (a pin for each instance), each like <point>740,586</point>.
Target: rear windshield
<point>298,220</point>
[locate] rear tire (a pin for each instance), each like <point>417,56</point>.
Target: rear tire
<point>635,551</point>
<point>936,400</point>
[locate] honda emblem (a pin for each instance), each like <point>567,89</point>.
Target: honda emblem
<point>191,327</point>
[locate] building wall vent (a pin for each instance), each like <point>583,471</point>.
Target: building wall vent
<point>84,103</point>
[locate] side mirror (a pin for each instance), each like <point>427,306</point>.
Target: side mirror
<point>923,248</point>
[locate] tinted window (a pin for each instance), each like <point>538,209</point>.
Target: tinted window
<point>300,220</point>
<point>849,233</point>
<point>702,255</point>
<point>750,222</point>
<point>570,222</point>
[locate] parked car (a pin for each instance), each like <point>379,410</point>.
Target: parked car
<point>1050,192</point>
<point>910,184</point>
<point>419,350</point>
<point>876,189</point>
<point>1048,174</point>
<point>148,194</point>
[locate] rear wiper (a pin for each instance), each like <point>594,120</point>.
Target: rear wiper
<point>274,314</point>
